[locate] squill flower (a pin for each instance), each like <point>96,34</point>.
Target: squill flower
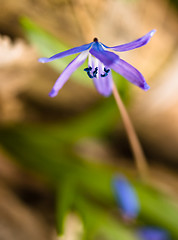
<point>126,197</point>
<point>100,63</point>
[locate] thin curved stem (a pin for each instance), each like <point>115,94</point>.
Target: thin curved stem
<point>139,156</point>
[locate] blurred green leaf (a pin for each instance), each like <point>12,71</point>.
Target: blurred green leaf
<point>64,200</point>
<point>95,123</point>
<point>98,222</point>
<point>101,120</point>
<point>43,152</point>
<point>157,209</point>
<point>48,45</point>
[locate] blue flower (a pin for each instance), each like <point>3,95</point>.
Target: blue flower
<point>152,233</point>
<point>126,197</point>
<point>100,62</point>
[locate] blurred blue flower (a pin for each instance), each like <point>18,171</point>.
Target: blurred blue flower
<point>100,65</point>
<point>126,197</point>
<point>152,233</point>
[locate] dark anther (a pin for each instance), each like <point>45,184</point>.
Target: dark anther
<point>104,75</point>
<point>106,72</point>
<point>89,74</point>
<point>95,39</point>
<point>95,72</point>
<point>88,71</point>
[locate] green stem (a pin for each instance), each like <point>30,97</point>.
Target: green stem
<point>139,156</point>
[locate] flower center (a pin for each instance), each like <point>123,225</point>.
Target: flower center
<point>95,68</point>
<point>95,39</point>
<point>94,73</point>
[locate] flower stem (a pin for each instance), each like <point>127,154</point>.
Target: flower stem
<point>139,156</point>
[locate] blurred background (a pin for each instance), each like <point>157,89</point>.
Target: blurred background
<point>58,156</point>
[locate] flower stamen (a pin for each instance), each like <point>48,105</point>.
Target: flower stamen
<point>95,72</point>
<point>106,72</point>
<point>88,70</point>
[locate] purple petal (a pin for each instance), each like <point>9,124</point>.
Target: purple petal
<point>152,233</point>
<point>132,45</point>
<point>103,84</point>
<point>106,57</point>
<point>77,62</point>
<point>126,197</point>
<point>130,73</point>
<point>66,53</point>
<point>107,83</point>
<point>96,80</point>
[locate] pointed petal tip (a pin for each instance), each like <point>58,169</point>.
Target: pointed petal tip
<point>43,60</point>
<point>152,32</point>
<point>53,93</point>
<point>105,94</point>
<point>108,92</point>
<point>146,87</point>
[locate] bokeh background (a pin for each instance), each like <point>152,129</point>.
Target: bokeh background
<point>58,156</point>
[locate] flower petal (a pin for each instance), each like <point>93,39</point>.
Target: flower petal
<point>95,63</point>
<point>103,84</point>
<point>77,62</point>
<point>126,197</point>
<point>66,53</point>
<point>152,233</point>
<point>106,57</point>
<point>130,73</point>
<point>132,45</point>
<point>107,84</point>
